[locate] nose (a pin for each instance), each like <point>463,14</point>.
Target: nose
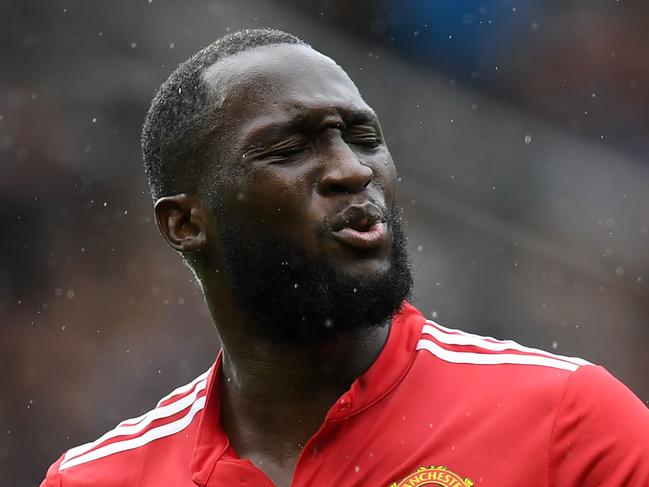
<point>344,172</point>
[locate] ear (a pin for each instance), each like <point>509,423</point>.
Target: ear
<point>182,220</point>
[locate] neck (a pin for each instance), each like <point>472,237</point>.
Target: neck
<point>275,396</point>
<point>261,370</point>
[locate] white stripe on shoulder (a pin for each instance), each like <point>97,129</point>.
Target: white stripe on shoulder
<point>136,425</point>
<point>492,358</point>
<point>153,434</point>
<point>186,387</point>
<point>459,337</point>
<point>176,392</point>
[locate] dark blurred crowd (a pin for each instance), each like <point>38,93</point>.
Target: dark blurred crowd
<point>520,129</point>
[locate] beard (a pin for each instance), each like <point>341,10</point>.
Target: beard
<point>292,297</point>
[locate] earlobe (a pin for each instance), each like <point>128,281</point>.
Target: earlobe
<point>182,221</point>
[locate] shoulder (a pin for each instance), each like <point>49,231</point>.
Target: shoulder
<point>484,373</point>
<point>601,431</point>
<point>134,442</point>
<point>504,380</point>
<point>591,424</point>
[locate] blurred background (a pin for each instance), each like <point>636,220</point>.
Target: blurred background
<point>520,130</point>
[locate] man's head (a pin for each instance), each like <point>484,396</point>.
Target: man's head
<point>269,165</point>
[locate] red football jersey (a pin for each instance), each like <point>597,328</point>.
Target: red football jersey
<point>438,407</point>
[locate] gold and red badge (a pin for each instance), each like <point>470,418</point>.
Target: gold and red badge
<point>432,475</point>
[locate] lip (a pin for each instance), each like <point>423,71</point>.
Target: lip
<point>359,217</point>
<point>371,238</point>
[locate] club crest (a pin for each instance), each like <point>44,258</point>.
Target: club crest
<point>440,476</point>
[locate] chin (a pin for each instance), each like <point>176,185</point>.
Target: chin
<point>366,269</point>
<point>350,260</point>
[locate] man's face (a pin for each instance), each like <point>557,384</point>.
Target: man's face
<point>307,200</point>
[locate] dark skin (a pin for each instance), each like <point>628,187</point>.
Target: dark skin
<point>301,146</point>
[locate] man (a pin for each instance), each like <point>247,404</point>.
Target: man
<point>272,178</point>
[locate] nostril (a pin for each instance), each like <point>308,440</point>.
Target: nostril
<point>338,188</point>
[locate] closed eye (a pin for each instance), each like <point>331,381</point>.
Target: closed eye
<point>363,135</point>
<point>366,141</point>
<point>285,150</point>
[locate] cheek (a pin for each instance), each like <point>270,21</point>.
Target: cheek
<point>385,175</point>
<point>275,199</point>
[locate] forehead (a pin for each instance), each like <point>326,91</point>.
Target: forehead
<point>280,82</point>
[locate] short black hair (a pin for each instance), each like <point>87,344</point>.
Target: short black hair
<point>181,115</point>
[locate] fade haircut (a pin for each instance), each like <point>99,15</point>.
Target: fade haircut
<point>182,114</point>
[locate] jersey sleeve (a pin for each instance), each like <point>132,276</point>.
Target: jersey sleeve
<point>53,478</point>
<point>601,433</point>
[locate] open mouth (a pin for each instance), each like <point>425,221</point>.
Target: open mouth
<point>360,226</point>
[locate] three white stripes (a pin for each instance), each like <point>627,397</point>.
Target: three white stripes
<point>85,453</point>
<point>457,337</point>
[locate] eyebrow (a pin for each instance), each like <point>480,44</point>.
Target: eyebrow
<point>305,122</point>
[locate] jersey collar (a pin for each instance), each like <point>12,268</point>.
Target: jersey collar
<point>392,364</point>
